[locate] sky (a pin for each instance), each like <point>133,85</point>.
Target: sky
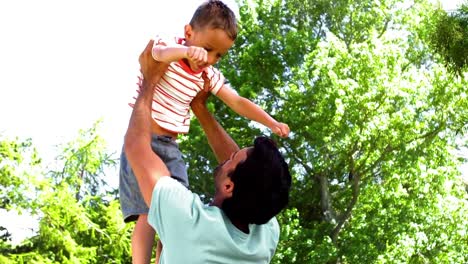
<point>64,64</point>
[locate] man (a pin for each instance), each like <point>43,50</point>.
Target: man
<point>251,186</point>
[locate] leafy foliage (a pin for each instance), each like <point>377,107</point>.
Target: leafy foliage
<point>374,118</point>
<point>450,39</point>
<point>79,220</point>
<point>81,162</point>
<point>18,160</point>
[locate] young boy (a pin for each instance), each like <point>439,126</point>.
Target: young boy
<point>209,36</point>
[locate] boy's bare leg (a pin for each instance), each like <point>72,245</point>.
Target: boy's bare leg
<point>142,241</point>
<point>158,251</point>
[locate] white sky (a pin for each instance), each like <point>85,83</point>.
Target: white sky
<point>66,63</point>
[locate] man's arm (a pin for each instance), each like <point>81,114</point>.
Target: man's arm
<point>147,166</point>
<point>218,139</point>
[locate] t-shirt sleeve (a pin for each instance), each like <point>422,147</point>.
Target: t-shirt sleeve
<point>217,79</point>
<point>163,40</point>
<point>275,230</point>
<point>173,210</point>
<point>160,41</point>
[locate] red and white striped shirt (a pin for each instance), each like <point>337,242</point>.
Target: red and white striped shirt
<point>174,93</point>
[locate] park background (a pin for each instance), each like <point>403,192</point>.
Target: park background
<point>377,109</point>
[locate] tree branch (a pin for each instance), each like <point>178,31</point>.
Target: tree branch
<point>342,220</point>
<point>325,199</point>
<point>384,29</point>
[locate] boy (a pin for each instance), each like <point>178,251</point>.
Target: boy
<point>210,34</point>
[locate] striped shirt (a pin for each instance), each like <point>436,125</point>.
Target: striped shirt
<point>174,93</point>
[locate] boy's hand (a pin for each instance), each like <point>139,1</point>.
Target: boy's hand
<point>197,54</point>
<point>281,129</point>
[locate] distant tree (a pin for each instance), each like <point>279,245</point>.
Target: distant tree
<point>18,164</point>
<point>79,216</point>
<point>450,38</point>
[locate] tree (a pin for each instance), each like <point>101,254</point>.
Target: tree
<point>79,219</point>
<point>374,118</point>
<point>450,38</point>
<point>18,161</point>
<point>82,164</point>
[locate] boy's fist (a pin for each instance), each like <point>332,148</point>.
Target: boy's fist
<point>281,129</point>
<point>197,54</point>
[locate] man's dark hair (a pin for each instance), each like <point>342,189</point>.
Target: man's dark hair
<point>214,14</point>
<point>261,185</point>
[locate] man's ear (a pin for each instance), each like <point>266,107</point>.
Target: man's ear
<point>228,188</point>
<point>188,31</point>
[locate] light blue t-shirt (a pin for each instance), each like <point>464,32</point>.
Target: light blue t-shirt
<point>192,232</point>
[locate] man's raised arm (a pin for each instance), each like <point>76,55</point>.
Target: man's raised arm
<point>147,166</point>
<point>220,141</point>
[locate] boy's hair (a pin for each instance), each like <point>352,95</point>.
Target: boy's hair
<point>261,185</point>
<point>214,14</point>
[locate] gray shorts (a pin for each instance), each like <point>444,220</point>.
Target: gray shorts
<point>131,200</point>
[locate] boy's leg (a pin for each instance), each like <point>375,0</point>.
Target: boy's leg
<point>142,241</point>
<point>168,150</point>
<point>158,251</point>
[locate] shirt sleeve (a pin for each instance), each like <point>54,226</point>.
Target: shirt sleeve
<point>217,79</point>
<point>173,210</point>
<point>161,40</point>
<point>275,231</point>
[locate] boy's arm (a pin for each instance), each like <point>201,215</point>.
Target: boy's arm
<point>248,109</point>
<point>218,139</point>
<point>176,52</point>
<point>148,167</point>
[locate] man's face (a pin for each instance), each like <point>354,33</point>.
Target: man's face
<point>222,171</point>
<point>215,41</point>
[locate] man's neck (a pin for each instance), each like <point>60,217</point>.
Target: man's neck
<point>241,226</point>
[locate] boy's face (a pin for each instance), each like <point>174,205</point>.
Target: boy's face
<point>215,41</point>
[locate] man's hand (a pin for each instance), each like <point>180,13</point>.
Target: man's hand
<point>200,99</point>
<point>152,70</point>
<point>206,82</point>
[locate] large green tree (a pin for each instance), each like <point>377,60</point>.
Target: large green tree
<point>375,119</point>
